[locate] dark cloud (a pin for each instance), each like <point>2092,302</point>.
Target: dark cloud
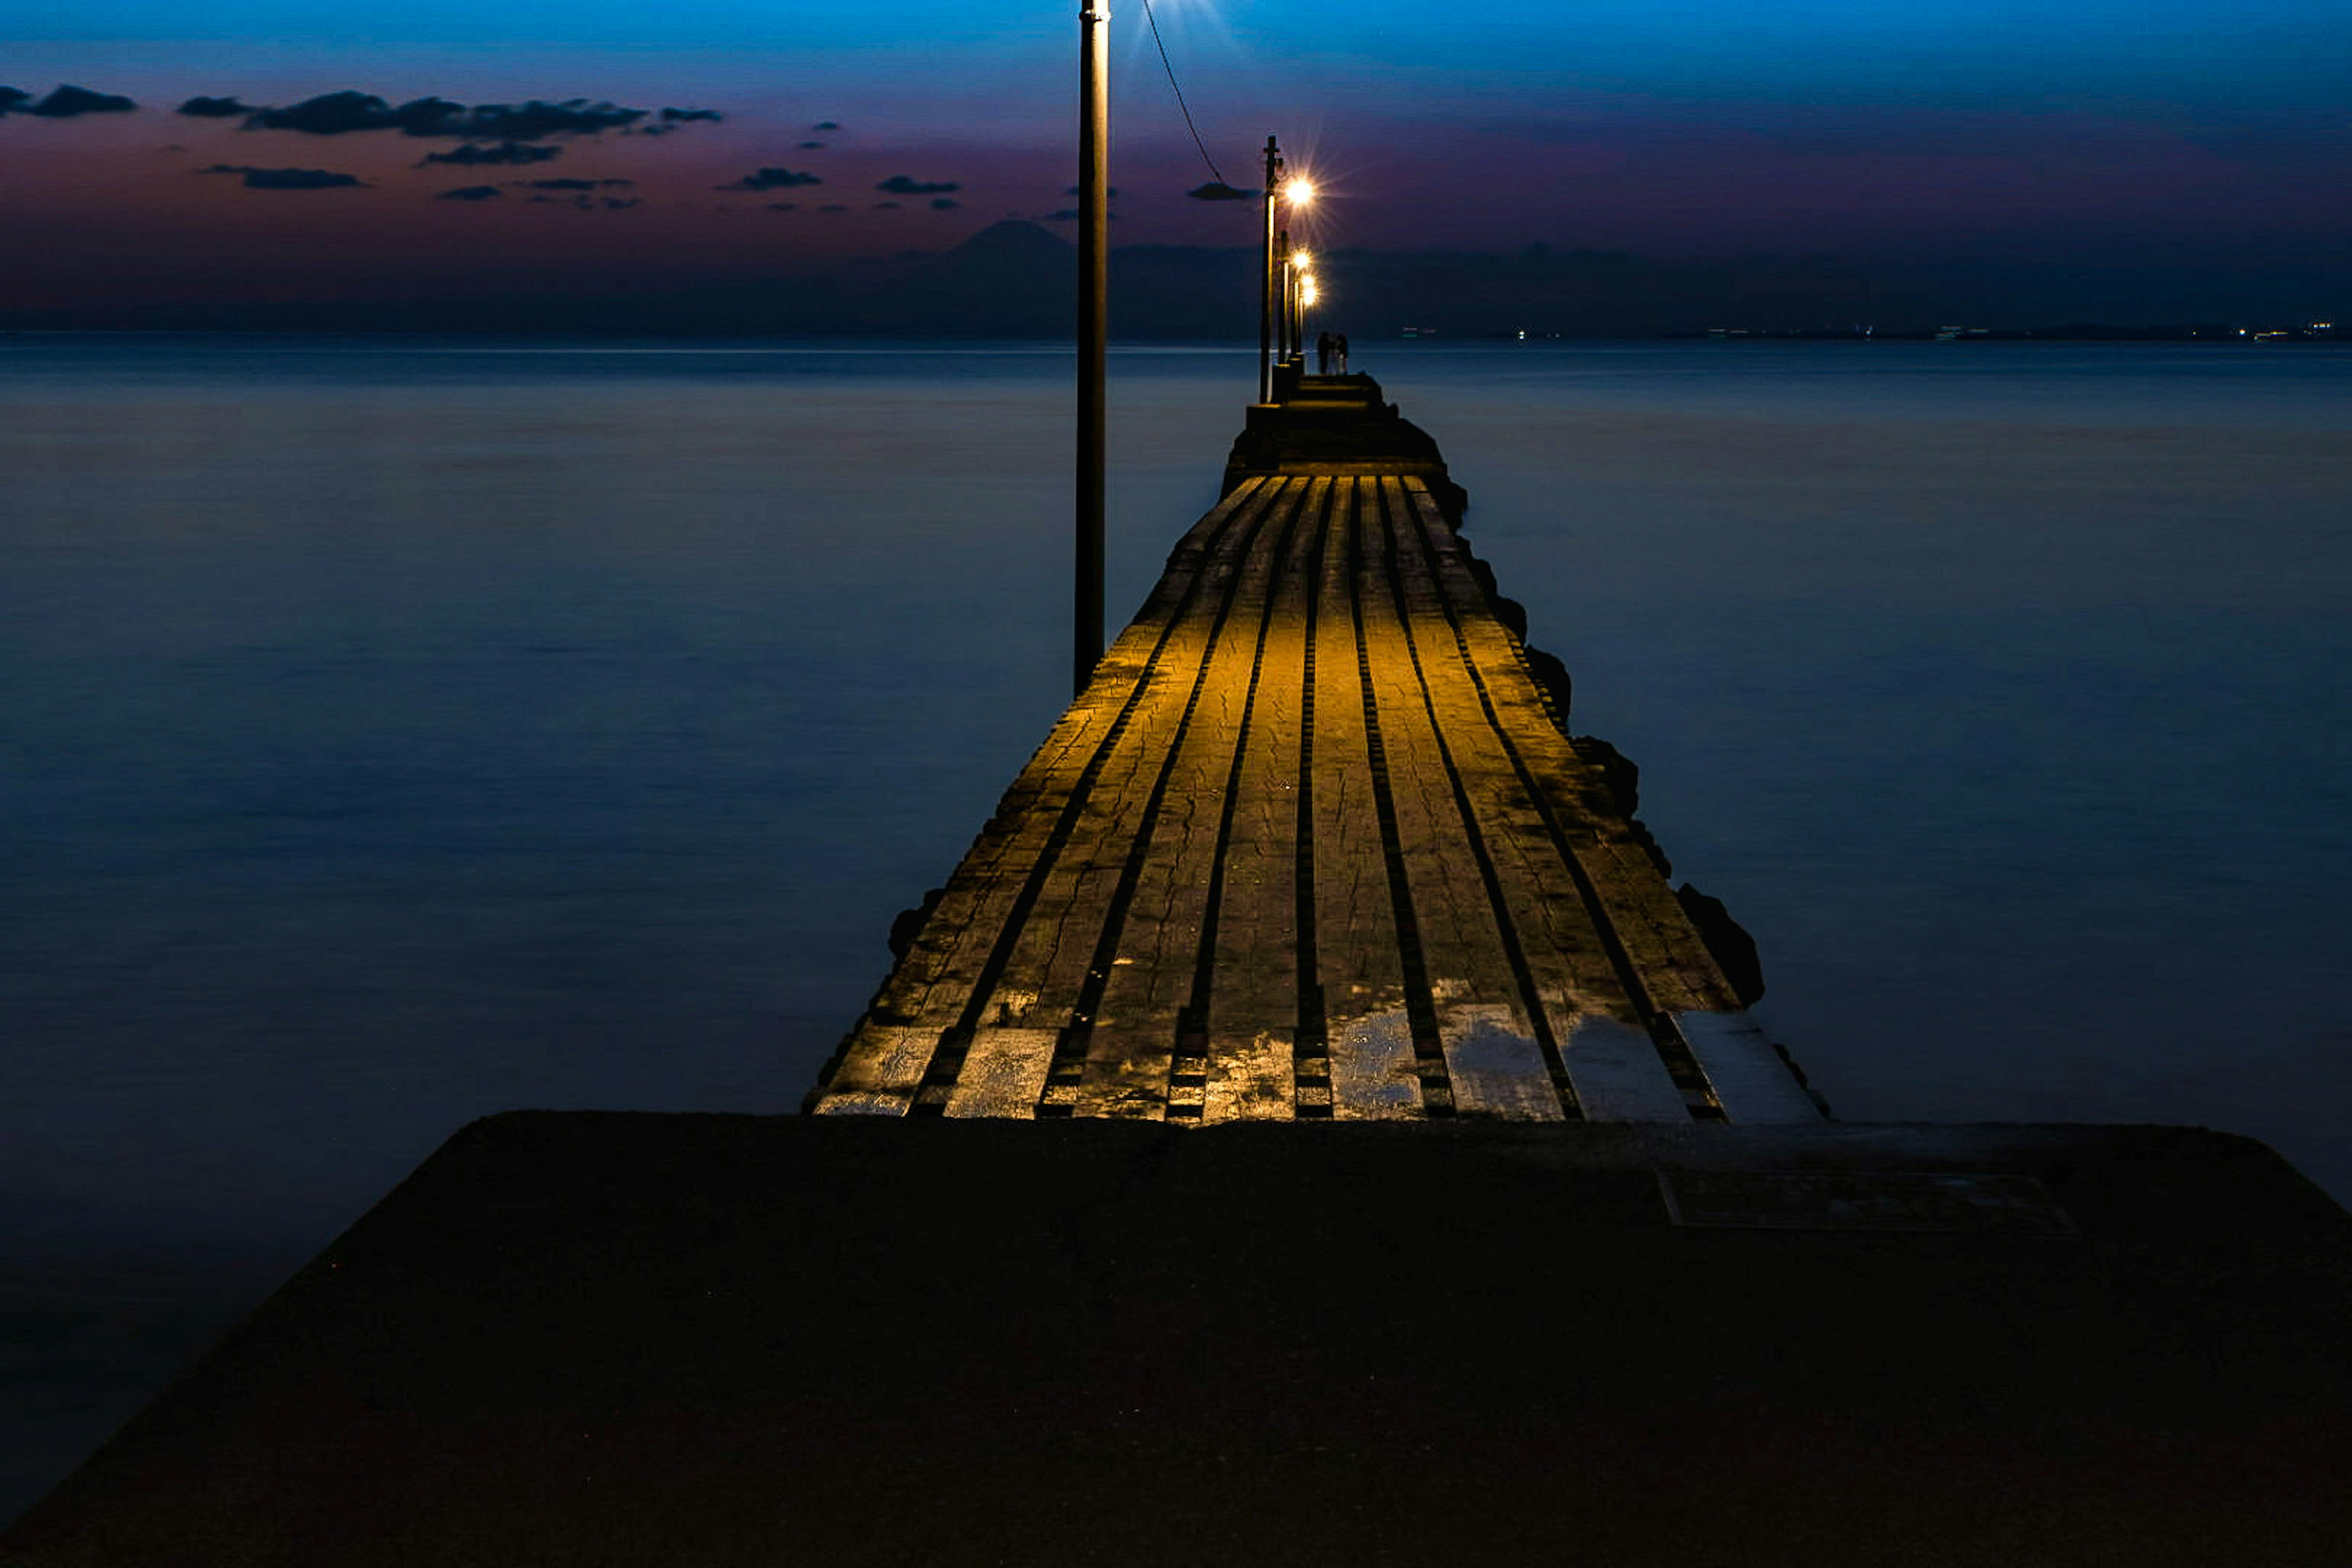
<point>286,179</point>
<point>529,121</point>
<point>783,206</point>
<point>570,184</point>
<point>472,194</point>
<point>1218,191</point>
<point>592,203</point>
<point>811,146</point>
<point>826,125</point>
<point>68,101</point>
<point>473,154</point>
<point>907,186</point>
<point>1066,215</point>
<point>944,204</point>
<point>770,179</point>
<point>64,102</point>
<point>833,208</point>
<point>214,109</point>
<point>887,207</point>
<point>672,120</point>
<point>340,113</point>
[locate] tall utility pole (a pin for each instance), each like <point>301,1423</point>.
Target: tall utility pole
<point>1094,327</point>
<point>1265,301</point>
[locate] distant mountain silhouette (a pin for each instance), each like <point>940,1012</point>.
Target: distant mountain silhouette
<point>1010,248</point>
<point>1013,279</point>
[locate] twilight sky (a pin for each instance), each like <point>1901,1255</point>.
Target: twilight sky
<point>2183,134</point>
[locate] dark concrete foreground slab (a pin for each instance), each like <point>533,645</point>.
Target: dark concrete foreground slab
<point>714,1340</point>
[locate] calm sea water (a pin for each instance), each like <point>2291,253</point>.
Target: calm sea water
<point>394,733</point>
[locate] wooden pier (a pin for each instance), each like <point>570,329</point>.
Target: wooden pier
<point>1314,843</point>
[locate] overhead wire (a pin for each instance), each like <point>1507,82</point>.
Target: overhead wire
<point>1181,108</point>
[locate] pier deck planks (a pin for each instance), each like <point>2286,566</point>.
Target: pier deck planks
<point>1312,845</point>
<point>1359,978</point>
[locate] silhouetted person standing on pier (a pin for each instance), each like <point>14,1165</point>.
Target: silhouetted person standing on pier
<point>1340,344</point>
<point>1323,354</point>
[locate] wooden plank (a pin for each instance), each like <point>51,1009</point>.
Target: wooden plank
<point>1618,1074</point>
<point>1372,1074</point>
<point>1748,1076</point>
<point>1496,1067</point>
<point>879,1072</point>
<point>1567,957</point>
<point>1253,1005</point>
<point>1666,951</point>
<point>1357,968</point>
<point>1159,939</point>
<point>1004,1073</point>
<point>1476,996</point>
<point>1251,1080</point>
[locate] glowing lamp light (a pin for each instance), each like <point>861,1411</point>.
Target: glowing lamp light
<point>1298,193</point>
<point>1302,258</point>
<point>1306,290</point>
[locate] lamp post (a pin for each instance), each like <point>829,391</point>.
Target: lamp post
<point>1274,308</point>
<point>1093,328</point>
<point>1295,262</point>
<point>1285,350</point>
<point>1266,298</point>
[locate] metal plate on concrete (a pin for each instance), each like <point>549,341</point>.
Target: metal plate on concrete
<point>1863,1200</point>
